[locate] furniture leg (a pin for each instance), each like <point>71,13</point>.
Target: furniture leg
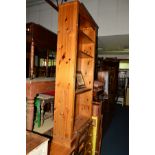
<point>31,73</point>
<point>29,114</point>
<point>37,105</point>
<point>42,112</point>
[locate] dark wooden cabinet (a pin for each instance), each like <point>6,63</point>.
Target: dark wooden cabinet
<point>41,47</point>
<point>111,66</point>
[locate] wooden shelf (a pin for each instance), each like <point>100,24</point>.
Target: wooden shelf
<point>48,125</point>
<point>80,121</point>
<point>85,38</point>
<point>83,54</point>
<point>82,90</point>
<point>84,22</point>
<point>76,53</point>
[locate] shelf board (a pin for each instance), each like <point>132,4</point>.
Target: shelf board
<point>80,121</point>
<point>86,39</point>
<point>83,54</point>
<point>84,22</point>
<point>48,125</point>
<point>82,90</point>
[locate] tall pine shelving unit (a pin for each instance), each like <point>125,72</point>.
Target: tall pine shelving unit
<point>76,46</point>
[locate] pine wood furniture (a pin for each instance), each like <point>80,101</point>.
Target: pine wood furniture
<point>76,45</point>
<point>37,38</point>
<point>36,144</point>
<point>57,149</point>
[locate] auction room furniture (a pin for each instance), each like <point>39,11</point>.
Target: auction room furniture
<point>75,60</point>
<point>38,40</point>
<point>97,128</point>
<point>111,67</point>
<point>36,144</point>
<point>42,100</point>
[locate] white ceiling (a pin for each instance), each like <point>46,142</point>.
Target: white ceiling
<point>113,43</point>
<point>35,2</point>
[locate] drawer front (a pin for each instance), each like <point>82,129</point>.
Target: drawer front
<point>88,152</point>
<point>84,137</point>
<point>88,145</point>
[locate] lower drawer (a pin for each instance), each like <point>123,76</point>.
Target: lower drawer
<point>88,152</point>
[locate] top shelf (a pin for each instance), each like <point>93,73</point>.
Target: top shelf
<point>85,38</point>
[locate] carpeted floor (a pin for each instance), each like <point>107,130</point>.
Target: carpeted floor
<point>116,139</point>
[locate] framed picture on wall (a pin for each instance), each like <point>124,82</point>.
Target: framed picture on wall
<point>79,80</point>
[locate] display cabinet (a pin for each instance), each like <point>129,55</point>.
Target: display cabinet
<point>76,45</point>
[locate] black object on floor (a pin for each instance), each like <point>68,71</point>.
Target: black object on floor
<point>116,139</point>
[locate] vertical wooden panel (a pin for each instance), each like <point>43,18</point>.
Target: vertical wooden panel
<point>75,52</point>
<point>31,73</point>
<point>66,70</point>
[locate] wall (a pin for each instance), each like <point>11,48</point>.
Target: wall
<point>44,15</point>
<point>112,16</point>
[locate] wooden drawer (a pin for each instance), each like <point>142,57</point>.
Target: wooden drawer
<point>84,138</point>
<point>88,145</point>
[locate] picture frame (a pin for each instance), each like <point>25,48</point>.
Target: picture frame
<point>79,80</point>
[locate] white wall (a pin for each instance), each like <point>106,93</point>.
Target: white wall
<point>112,16</point>
<point>44,15</point>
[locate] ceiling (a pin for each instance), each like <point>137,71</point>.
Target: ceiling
<point>113,43</point>
<point>35,2</point>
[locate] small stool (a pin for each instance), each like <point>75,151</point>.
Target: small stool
<point>43,98</point>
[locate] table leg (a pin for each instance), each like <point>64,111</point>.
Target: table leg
<point>29,114</point>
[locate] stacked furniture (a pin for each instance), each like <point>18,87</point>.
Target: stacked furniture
<point>97,117</point>
<point>76,45</point>
<point>40,44</point>
<point>39,41</point>
<point>111,67</point>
